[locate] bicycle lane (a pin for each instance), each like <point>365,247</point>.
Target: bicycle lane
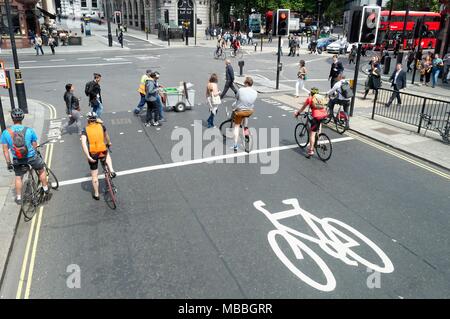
<point>177,242</point>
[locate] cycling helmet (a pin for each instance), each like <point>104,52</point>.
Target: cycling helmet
<point>17,114</point>
<point>314,91</point>
<point>91,116</point>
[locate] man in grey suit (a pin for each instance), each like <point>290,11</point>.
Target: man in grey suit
<point>229,79</point>
<point>398,81</point>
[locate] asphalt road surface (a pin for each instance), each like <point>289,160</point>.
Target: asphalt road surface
<point>200,228</point>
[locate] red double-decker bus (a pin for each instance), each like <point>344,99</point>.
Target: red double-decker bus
<point>390,33</point>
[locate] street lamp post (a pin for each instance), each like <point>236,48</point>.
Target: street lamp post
<point>108,21</point>
<point>20,86</point>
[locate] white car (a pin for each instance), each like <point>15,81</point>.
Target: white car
<point>338,46</point>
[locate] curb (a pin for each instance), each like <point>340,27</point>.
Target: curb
<point>401,150</point>
<point>5,263</point>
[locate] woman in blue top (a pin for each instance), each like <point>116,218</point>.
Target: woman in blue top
<point>438,64</point>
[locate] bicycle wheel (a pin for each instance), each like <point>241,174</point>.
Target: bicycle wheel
<point>216,55</point>
<point>323,147</point>
<point>342,122</point>
<point>240,54</point>
<point>301,135</point>
<point>328,118</point>
<point>51,178</point>
<point>110,192</point>
<point>226,128</point>
<point>29,197</point>
<point>247,141</point>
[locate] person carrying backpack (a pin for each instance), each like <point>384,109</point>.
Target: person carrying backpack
<point>93,91</point>
<point>21,141</point>
<point>345,93</point>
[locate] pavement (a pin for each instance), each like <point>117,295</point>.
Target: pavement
<point>9,210</point>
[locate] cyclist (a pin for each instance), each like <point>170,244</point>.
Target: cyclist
<point>220,46</point>
<point>243,108</point>
<point>22,142</point>
<point>342,94</point>
<point>236,45</point>
<point>95,142</point>
<point>318,112</point>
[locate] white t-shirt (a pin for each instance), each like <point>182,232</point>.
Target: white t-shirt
<point>246,98</point>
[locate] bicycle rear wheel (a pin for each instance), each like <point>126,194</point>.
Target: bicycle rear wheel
<point>51,178</point>
<point>301,135</point>
<point>226,129</point>
<point>247,141</point>
<point>342,122</point>
<point>29,197</point>
<point>110,192</point>
<point>323,147</point>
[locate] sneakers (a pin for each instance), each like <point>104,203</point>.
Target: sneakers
<point>18,201</point>
<point>147,124</point>
<point>156,123</point>
<point>235,147</point>
<point>95,197</point>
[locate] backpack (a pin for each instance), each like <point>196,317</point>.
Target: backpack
<point>320,102</point>
<point>346,90</point>
<point>88,88</point>
<point>19,148</point>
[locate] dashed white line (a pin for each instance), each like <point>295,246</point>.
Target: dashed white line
<point>90,58</point>
<point>56,60</point>
<point>72,65</point>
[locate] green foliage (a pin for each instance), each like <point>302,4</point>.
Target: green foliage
<point>416,5</point>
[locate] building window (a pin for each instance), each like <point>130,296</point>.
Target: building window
<point>83,4</point>
<point>4,21</point>
<point>94,3</point>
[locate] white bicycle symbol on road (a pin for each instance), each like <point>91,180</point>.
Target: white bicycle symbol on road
<point>332,240</point>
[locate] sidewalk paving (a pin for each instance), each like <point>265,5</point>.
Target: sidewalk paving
<point>398,135</point>
<point>9,210</point>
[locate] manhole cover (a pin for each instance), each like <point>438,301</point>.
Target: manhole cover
<point>386,131</point>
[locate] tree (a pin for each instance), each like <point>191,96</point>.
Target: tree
<point>418,5</point>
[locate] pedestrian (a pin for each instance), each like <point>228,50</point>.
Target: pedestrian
<point>352,54</point>
<point>229,79</point>
<point>72,108</point>
<point>297,45</point>
<point>344,94</point>
<point>250,37</point>
<point>93,91</point>
<point>213,98</point>
<point>301,78</point>
<point>373,81</point>
<point>151,93</point>
<point>396,47</point>
<point>141,91</point>
<point>363,50</point>
<point>438,66</point>
<point>425,70</point>
<point>120,38</point>
<point>398,82</point>
<point>38,44</point>
<point>21,142</point>
<point>51,44</point>
<point>82,28</point>
<point>410,60</point>
<point>281,46</point>
<point>446,74</point>
<point>159,98</point>
<point>336,69</point>
<point>270,37</point>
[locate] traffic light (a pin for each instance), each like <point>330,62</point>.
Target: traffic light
<point>282,21</point>
<point>369,24</point>
<point>354,25</point>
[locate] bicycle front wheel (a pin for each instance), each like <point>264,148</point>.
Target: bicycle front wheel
<point>51,178</point>
<point>29,197</point>
<point>323,147</point>
<point>226,129</point>
<point>110,192</point>
<point>301,135</point>
<point>342,122</point>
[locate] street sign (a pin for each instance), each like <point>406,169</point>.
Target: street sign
<point>3,78</point>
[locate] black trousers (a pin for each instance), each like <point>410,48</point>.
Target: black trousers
<point>345,104</point>
<point>228,85</point>
<point>152,112</point>
<point>395,94</point>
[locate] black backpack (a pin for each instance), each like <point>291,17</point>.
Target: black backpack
<point>346,90</point>
<point>19,148</point>
<point>88,88</point>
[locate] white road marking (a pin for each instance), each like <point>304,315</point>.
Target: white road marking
<point>121,133</point>
<point>90,58</point>
<point>113,59</point>
<point>28,61</point>
<point>255,118</point>
<point>283,114</point>
<point>56,60</point>
<point>71,65</point>
<point>139,131</point>
<point>196,161</point>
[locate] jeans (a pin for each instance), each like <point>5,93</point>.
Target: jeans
<point>141,104</point>
<point>152,111</point>
<point>97,107</point>
<point>160,107</point>
<point>210,119</point>
<point>434,76</point>
<point>39,47</point>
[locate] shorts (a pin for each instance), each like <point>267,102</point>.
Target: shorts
<point>240,115</point>
<point>21,166</point>
<point>98,156</point>
<point>315,123</point>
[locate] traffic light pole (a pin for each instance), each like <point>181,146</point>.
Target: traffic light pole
<point>355,78</point>
<point>418,50</point>
<point>278,62</point>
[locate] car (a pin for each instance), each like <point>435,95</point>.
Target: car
<point>322,44</point>
<point>339,46</point>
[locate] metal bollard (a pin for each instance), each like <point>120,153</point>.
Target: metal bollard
<point>241,66</point>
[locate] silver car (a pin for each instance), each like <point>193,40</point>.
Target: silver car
<point>338,46</point>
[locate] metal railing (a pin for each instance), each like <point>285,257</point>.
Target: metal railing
<point>411,109</point>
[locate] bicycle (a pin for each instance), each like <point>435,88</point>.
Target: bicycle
<point>322,143</point>
<point>32,192</point>
<point>227,130</point>
<point>340,118</point>
<point>220,54</point>
<point>444,132</point>
<point>236,54</point>
<point>110,190</point>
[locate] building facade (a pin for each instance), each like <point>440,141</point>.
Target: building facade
<point>78,8</point>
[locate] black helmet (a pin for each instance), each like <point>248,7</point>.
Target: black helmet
<point>17,114</point>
